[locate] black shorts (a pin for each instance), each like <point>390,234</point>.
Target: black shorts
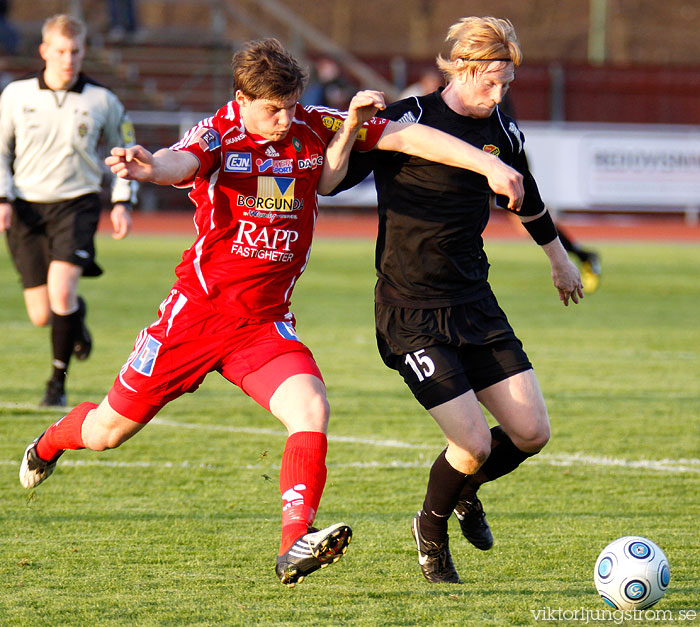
<point>443,353</point>
<point>61,231</point>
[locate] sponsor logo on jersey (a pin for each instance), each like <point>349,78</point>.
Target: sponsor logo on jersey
<point>275,193</point>
<point>145,361</point>
<point>207,138</point>
<point>279,166</point>
<point>333,124</point>
<point>271,152</point>
<point>263,242</point>
<point>238,162</point>
<point>491,149</point>
<point>282,166</point>
<point>270,215</point>
<point>406,118</point>
<point>516,131</point>
<point>313,162</point>
<point>233,140</point>
<point>263,166</point>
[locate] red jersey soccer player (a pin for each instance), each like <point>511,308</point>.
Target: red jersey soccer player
<point>254,168</point>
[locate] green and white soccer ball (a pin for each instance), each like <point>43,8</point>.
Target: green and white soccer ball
<point>631,573</point>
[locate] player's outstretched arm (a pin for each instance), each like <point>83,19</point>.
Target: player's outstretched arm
<point>165,167</point>
<point>363,106</point>
<point>429,143</point>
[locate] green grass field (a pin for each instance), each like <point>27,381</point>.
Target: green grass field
<point>180,525</point>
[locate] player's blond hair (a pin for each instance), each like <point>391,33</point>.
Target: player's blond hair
<point>264,69</point>
<point>65,25</point>
<point>477,42</point>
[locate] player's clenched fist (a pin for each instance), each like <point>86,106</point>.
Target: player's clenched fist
<point>164,167</point>
<point>363,106</point>
<point>135,163</point>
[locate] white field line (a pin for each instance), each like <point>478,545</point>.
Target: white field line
<point>283,434</point>
<point>551,459</point>
<point>691,465</point>
<point>663,465</point>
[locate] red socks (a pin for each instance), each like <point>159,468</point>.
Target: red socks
<point>64,434</point>
<point>302,479</point>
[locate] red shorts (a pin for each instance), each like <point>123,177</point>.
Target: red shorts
<point>189,340</point>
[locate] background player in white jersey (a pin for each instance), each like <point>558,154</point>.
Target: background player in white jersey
<point>50,126</point>
<point>254,168</point>
<point>438,322</point>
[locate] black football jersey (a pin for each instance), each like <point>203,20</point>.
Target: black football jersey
<point>429,249</point>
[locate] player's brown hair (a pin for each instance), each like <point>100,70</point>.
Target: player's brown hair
<point>477,42</point>
<point>65,25</point>
<point>264,69</point>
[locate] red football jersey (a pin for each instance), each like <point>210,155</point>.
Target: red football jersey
<point>256,208</point>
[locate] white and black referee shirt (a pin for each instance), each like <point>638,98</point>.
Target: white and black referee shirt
<point>49,140</point>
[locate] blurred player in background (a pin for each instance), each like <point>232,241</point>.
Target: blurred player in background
<point>50,178</point>
<point>254,168</point>
<point>438,321</point>
<point>428,81</point>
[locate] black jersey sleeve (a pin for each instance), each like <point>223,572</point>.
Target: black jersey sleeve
<point>532,202</point>
<point>362,163</point>
<point>359,168</point>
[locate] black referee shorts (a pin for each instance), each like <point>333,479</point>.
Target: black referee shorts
<point>443,353</point>
<point>61,231</point>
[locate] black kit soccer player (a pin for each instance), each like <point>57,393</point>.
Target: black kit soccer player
<point>437,320</point>
<point>254,167</point>
<point>51,124</point>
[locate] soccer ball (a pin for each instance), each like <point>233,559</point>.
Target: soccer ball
<point>631,573</point>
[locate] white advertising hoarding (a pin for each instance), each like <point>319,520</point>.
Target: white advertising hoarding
<point>599,167</point>
<point>621,167</point>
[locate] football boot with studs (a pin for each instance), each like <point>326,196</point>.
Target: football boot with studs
<point>315,549</point>
<point>33,470</point>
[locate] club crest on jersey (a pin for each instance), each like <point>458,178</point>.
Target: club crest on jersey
<point>146,358</point>
<point>333,124</point>
<point>491,149</point>
<point>275,193</point>
<point>238,162</point>
<point>207,138</point>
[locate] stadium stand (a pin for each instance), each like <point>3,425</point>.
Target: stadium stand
<point>178,62</point>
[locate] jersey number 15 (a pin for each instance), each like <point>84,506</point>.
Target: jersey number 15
<point>421,364</point>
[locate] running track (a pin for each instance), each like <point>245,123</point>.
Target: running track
<point>341,223</point>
